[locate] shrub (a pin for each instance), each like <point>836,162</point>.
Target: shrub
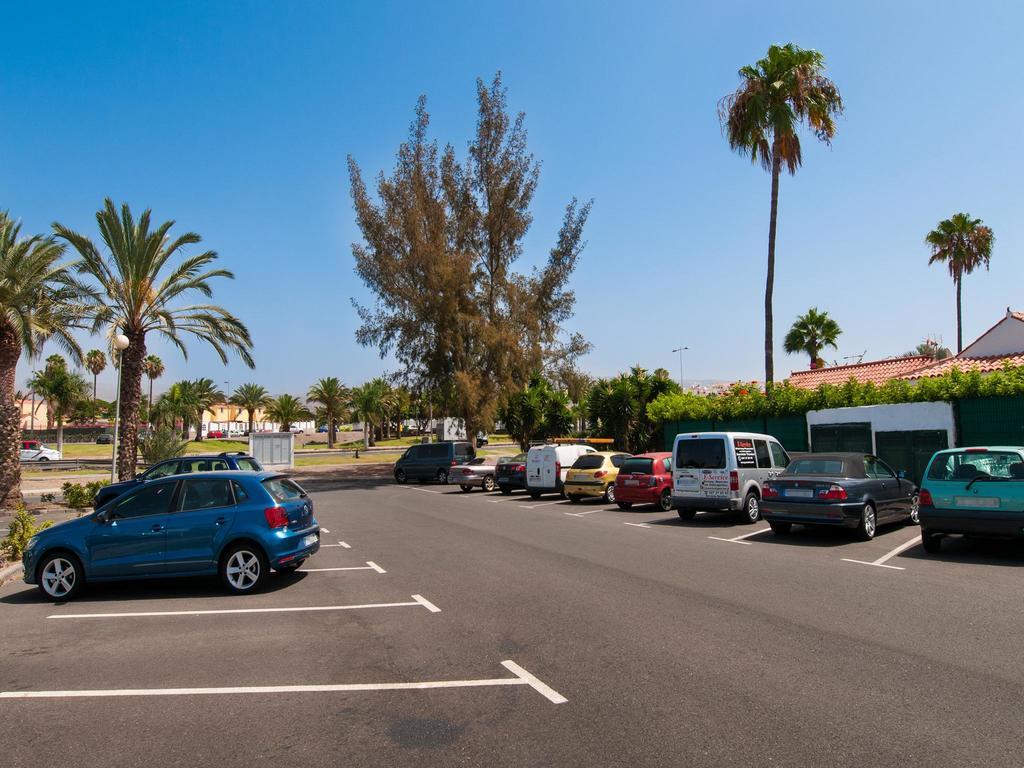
<point>47,498</point>
<point>81,496</point>
<point>23,527</point>
<point>161,444</point>
<point>745,400</point>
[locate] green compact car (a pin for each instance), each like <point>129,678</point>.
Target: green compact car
<point>974,492</point>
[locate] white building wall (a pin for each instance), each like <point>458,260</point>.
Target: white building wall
<point>1006,338</point>
<point>900,417</point>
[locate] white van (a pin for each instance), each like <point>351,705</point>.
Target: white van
<point>723,472</point>
<point>547,466</point>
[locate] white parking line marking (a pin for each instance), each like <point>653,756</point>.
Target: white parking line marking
<point>581,514</point>
<point>522,677</point>
<point>542,504</point>
<point>426,603</point>
<point>638,525</point>
<point>417,600</point>
<point>370,566</point>
<point>339,544</point>
<point>740,539</point>
<point>324,530</point>
<point>424,490</point>
<point>880,562</point>
<point>543,689</point>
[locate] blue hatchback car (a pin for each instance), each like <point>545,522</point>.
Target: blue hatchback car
<point>239,525</point>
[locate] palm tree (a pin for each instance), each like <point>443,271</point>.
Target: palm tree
<point>39,300</point>
<point>178,403</point>
<point>332,395</point>
<point>287,410</point>
<point>811,333</point>
<point>250,398</point>
<point>930,348</point>
<point>153,367</point>
<point>62,389</point>
<point>964,244</point>
<point>367,402</point>
<point>776,95</point>
<point>139,291</point>
<point>96,362</point>
<point>206,394</point>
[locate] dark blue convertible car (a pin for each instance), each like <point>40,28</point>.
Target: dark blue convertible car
<point>849,490</point>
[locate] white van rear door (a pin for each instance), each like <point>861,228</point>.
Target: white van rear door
<point>701,467</point>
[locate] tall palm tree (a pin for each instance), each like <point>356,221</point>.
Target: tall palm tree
<point>778,93</point>
<point>206,394</point>
<point>287,410</point>
<point>332,395</point>
<point>96,362</point>
<point>811,332</point>
<point>964,244</point>
<point>367,402</point>
<point>250,398</point>
<point>139,293</point>
<point>39,300</point>
<point>153,367</point>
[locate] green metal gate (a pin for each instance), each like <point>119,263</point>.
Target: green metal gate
<point>830,438</point>
<point>991,421</point>
<point>910,451</point>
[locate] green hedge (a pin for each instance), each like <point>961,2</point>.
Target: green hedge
<point>745,401</point>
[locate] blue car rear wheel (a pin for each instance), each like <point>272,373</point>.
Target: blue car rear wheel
<point>244,569</point>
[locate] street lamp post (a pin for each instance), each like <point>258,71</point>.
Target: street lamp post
<point>120,342</point>
<point>680,350</point>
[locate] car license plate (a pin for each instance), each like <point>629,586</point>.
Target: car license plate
<point>800,493</point>
<point>977,502</point>
<point>632,482</point>
<point>310,540</point>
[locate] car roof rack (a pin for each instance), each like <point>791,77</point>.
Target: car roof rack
<point>233,453</point>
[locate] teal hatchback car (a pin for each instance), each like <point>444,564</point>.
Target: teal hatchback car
<point>974,492</point>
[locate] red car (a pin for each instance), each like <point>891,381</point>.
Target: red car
<point>215,434</point>
<point>645,479</point>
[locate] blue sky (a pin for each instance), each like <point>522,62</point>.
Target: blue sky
<point>235,119</point>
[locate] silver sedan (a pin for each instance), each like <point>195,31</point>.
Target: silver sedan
<point>478,473</point>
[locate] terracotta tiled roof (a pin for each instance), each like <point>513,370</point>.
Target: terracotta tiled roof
<point>982,364</point>
<point>877,371</point>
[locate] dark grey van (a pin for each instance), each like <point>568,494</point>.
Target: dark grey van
<point>431,461</point>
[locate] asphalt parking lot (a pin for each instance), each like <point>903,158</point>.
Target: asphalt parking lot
<point>442,628</point>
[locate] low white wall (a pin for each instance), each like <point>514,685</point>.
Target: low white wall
<point>900,417</point>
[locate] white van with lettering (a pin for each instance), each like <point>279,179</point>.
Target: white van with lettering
<point>723,472</point>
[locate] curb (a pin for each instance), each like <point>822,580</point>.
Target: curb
<point>9,571</point>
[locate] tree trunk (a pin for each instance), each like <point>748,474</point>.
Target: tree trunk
<point>769,288</point>
<point>60,435</point>
<point>10,420</point>
<point>150,398</point>
<point>131,394</point>
<point>367,426</point>
<point>330,432</point>
<point>959,322</point>
<point>94,377</point>
<point>252,422</point>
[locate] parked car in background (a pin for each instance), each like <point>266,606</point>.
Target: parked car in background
<point>548,465</point>
<point>723,472</point>
<point>297,430</point>
<point>239,525</point>
<point>226,461</point>
<point>510,473</point>
<point>33,450</point>
<point>105,439</point>
<point>645,479</point>
<point>848,490</point>
<point>973,491</point>
<point>432,461</point>
<point>215,434</point>
<point>322,428</point>
<point>475,473</point>
<point>481,439</point>
<point>594,475</point>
